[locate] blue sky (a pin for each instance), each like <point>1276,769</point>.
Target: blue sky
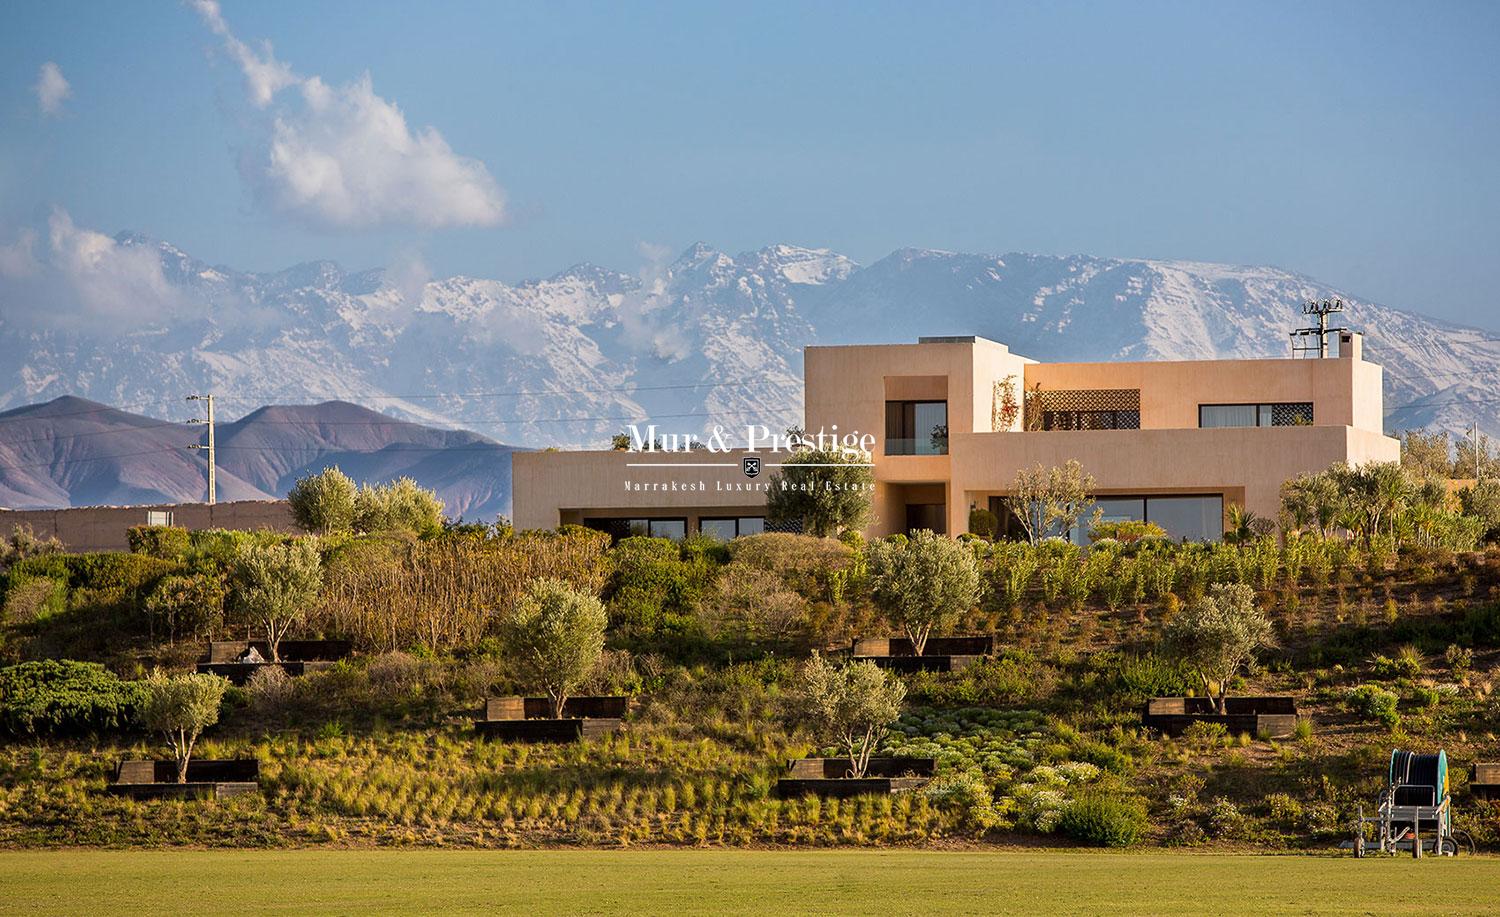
<point>1357,142</point>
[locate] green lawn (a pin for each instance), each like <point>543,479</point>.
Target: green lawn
<point>761,882</point>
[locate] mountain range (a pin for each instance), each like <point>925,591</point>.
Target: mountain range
<point>74,452</point>
<point>706,338</point>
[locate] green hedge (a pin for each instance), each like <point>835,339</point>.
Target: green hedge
<point>64,697</point>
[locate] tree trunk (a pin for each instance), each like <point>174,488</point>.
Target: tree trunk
<point>918,637</point>
<point>559,700</point>
<point>184,755</point>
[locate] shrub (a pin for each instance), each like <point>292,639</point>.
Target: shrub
<point>33,598</point>
<point>653,589</point>
<point>806,564</point>
<point>1105,820</point>
<point>825,492</point>
<point>401,505</point>
<point>275,586</point>
<point>1126,531</point>
<point>1218,634</point>
<point>191,605</point>
<point>63,697</point>
<point>1015,677</point>
<point>1375,703</point>
<point>752,604</point>
<point>169,542</point>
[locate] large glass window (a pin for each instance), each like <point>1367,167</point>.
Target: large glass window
<point>675,529</point>
<point>1277,414</point>
<point>728,529</point>
<point>916,428</point>
<point>1190,518</point>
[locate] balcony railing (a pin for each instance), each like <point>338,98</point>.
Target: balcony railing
<point>924,445</point>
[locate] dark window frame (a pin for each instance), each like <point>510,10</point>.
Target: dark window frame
<point>737,520</point>
<point>1263,408</point>
<point>905,427</point>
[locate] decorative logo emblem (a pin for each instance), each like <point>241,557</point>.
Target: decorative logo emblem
<point>751,464</point>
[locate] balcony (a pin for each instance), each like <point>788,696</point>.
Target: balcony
<point>922,445</point>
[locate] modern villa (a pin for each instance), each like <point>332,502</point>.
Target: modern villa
<point>951,420</point>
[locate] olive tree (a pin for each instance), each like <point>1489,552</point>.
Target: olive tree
<point>1218,634</point>
<point>180,707</point>
<point>851,706</point>
<point>923,583</point>
<point>553,638</point>
<point>274,585</point>
<point>324,502</point>
<point>826,492</point>
<point>1047,500</point>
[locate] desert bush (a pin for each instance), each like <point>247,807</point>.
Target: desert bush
<point>1126,531</point>
<point>653,589</point>
<point>851,706</point>
<point>1014,677</point>
<point>1374,703</point>
<point>807,565</point>
<point>33,598</point>
<point>187,605</point>
<point>1105,820</point>
<point>1135,678</point>
<point>168,542</point>
<point>63,697</point>
<point>750,604</point>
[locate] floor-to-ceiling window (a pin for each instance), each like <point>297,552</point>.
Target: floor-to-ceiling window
<point>916,428</point>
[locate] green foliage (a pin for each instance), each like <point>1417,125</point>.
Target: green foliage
<point>1126,531</point>
<point>1375,703</point>
<point>653,589</point>
<point>1014,677</point>
<point>187,605</point>
<point>825,492</point>
<point>180,707</point>
<point>323,503</point>
<point>923,583</point>
<point>169,542</point>
<point>1220,633</point>
<point>1105,820</point>
<point>275,585</point>
<point>1482,501</point>
<point>1134,678</point>
<point>63,697</point>
<point>401,505</point>
<point>554,638</point>
<point>851,706</point>
<point>983,523</point>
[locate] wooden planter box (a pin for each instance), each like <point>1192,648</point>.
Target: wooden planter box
<point>936,646</point>
<point>206,779</point>
<point>883,776</point>
<point>929,662</point>
<point>1275,717</point>
<point>291,650</point>
<point>837,768</point>
<point>526,719</point>
<point>1484,781</point>
<point>298,657</point>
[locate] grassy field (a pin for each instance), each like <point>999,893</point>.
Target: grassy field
<point>734,881</point>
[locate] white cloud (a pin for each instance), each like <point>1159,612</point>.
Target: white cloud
<point>52,88</point>
<point>82,277</point>
<point>264,74</point>
<point>342,156</point>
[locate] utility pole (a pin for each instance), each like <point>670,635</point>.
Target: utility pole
<point>208,420</point>
<point>1477,471</point>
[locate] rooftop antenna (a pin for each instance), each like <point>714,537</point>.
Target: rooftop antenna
<point>1308,342</point>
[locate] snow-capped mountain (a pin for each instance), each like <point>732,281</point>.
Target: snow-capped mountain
<point>709,338</point>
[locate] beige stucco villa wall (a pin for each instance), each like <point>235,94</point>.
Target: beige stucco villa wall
<point>847,388</point>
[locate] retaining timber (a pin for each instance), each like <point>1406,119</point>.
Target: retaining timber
<point>1484,781</point>
<point>528,719</point>
<point>206,779</point>
<point>1271,716</point>
<point>827,777</point>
